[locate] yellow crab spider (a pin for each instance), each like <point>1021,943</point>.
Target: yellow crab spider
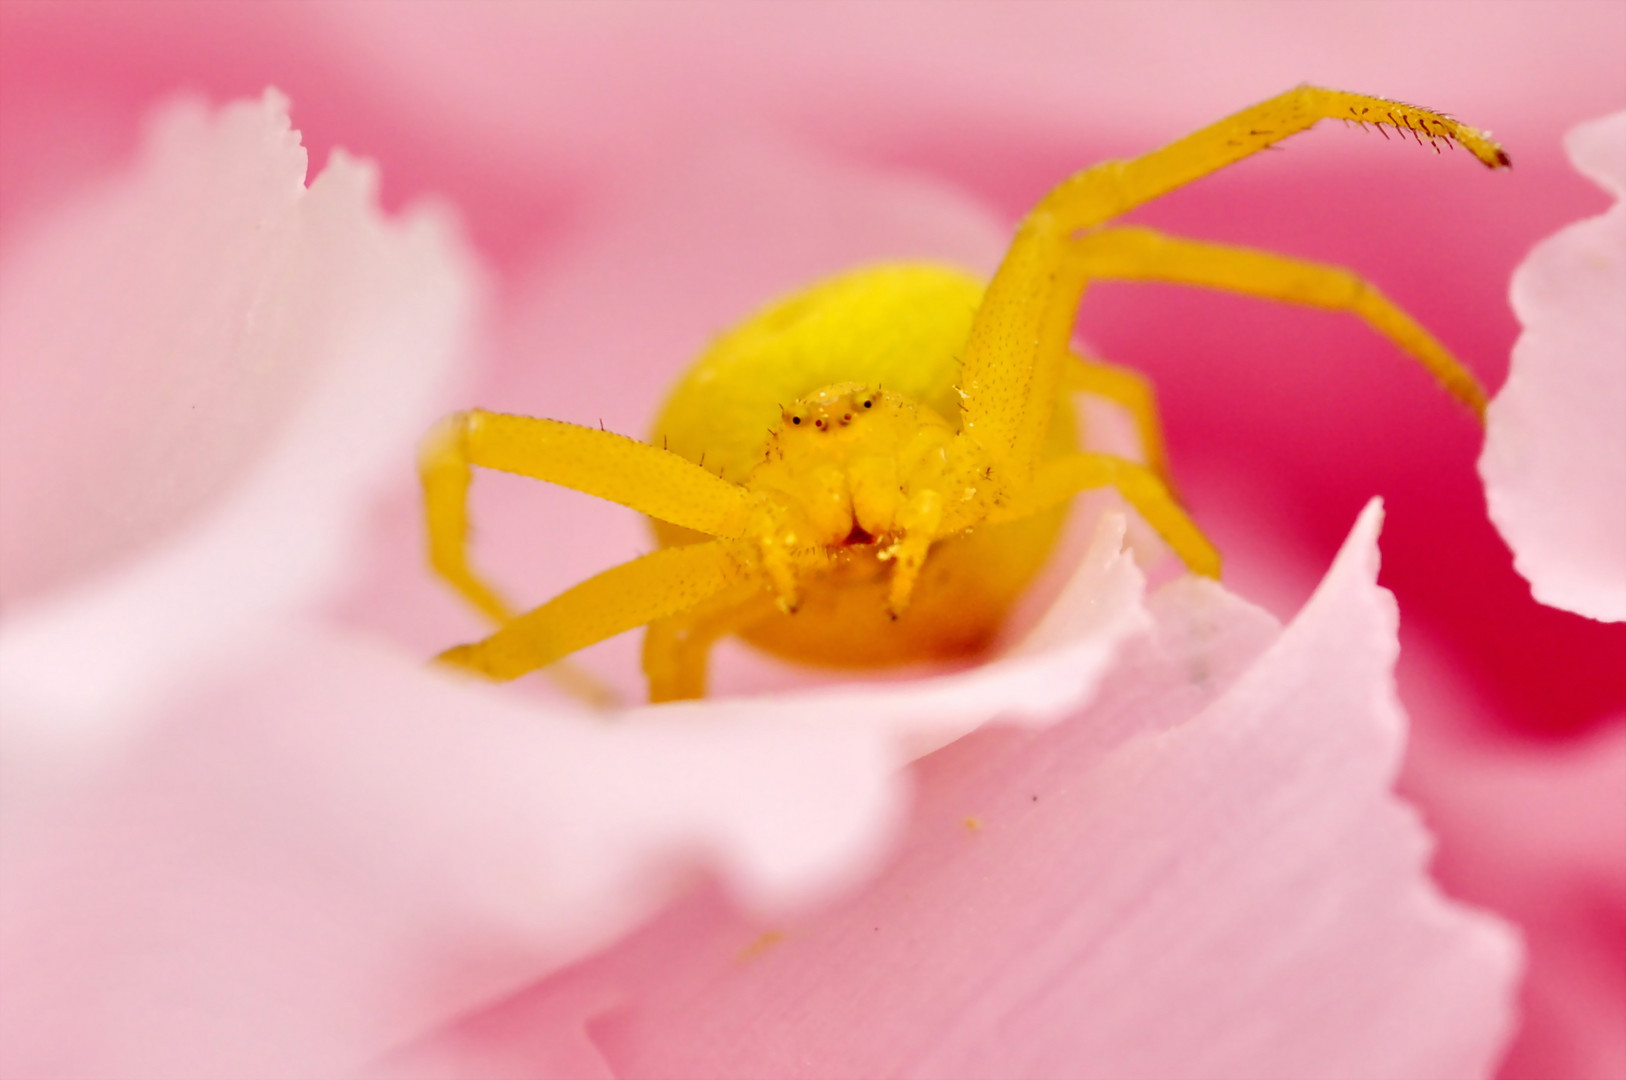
<point>888,455</point>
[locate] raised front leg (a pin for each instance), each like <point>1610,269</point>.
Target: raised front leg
<point>1113,188</point>
<point>1012,366</point>
<point>611,466</point>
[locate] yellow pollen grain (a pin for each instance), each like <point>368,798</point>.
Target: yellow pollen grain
<point>765,941</point>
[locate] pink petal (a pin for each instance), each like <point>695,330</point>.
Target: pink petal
<point>1554,463</point>
<point>1200,875</point>
<point>209,369</point>
<point>324,852</point>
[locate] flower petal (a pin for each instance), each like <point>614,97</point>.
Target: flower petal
<point>320,854</point>
<point>1554,463</point>
<point>338,850</point>
<point>259,358</point>
<point>1205,874</point>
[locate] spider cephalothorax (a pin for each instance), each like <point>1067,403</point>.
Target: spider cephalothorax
<point>859,525</point>
<point>852,464</point>
<point>850,457</point>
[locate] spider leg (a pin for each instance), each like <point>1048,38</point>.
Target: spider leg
<point>919,523</point>
<point>1113,188</point>
<point>650,480</point>
<point>655,586</point>
<point>1011,371</point>
<point>1060,478</point>
<point>1134,393</point>
<point>1139,254</point>
<point>676,648</point>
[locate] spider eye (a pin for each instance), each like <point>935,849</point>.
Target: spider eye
<point>818,423</point>
<point>869,404</point>
<point>846,417</point>
<point>796,419</point>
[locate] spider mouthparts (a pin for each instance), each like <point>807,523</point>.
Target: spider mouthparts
<point>858,536</point>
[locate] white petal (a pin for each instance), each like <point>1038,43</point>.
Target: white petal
<point>270,355</point>
<point>321,853</point>
<point>1554,464</point>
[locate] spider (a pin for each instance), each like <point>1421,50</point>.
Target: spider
<point>899,437</point>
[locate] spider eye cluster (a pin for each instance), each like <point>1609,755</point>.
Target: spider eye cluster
<point>831,409</point>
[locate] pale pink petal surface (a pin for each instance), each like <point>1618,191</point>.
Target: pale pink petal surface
<point>328,851</point>
<point>194,454</point>
<point>1555,449</point>
<point>1205,873</point>
<point>321,854</point>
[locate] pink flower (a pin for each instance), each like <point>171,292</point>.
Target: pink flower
<point>246,834</point>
